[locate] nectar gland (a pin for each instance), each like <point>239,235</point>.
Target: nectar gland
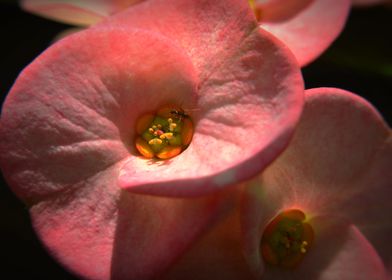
<point>165,134</point>
<point>287,239</point>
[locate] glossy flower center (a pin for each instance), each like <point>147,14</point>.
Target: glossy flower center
<point>256,10</point>
<point>165,134</point>
<point>287,239</point>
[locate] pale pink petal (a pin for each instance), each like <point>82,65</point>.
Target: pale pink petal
<point>72,112</point>
<point>280,10</point>
<point>66,33</point>
<point>67,126</point>
<point>307,27</point>
<point>336,164</point>
<point>76,12</point>
<point>248,100</point>
<point>99,232</point>
<point>217,255</point>
<point>373,193</point>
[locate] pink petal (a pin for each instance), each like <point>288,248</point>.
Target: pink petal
<point>98,232</point>
<point>249,96</point>
<point>72,12</point>
<point>307,27</point>
<point>76,12</point>
<point>83,119</point>
<point>67,126</point>
<point>337,162</point>
<point>217,255</point>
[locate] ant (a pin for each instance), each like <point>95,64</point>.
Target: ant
<point>179,113</point>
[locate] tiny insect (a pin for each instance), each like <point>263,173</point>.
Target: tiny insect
<point>178,113</point>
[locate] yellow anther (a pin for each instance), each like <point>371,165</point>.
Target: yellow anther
<point>167,135</point>
<point>155,141</point>
<point>303,247</point>
<point>172,126</point>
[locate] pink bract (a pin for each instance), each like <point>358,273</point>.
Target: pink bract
<point>68,128</point>
<point>307,27</point>
<point>77,12</point>
<point>336,170</point>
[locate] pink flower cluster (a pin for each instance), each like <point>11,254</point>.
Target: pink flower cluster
<point>278,182</point>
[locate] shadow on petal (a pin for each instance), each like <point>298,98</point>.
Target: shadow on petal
<point>153,232</point>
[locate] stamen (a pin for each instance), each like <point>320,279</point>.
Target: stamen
<point>167,135</point>
<point>172,126</point>
<point>155,141</point>
<point>286,239</point>
<point>163,136</point>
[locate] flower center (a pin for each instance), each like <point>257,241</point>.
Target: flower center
<point>165,134</point>
<point>256,10</point>
<point>286,239</point>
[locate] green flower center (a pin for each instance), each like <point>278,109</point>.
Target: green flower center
<point>286,239</point>
<point>164,134</point>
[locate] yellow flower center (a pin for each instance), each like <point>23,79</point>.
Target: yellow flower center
<point>165,134</point>
<point>287,239</point>
<point>256,10</point>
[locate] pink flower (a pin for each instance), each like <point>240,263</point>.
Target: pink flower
<point>336,171</point>
<point>307,27</point>
<point>68,132</point>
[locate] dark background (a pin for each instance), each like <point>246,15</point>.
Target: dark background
<point>359,61</point>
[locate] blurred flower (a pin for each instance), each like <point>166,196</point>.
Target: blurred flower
<point>336,171</point>
<point>320,211</point>
<point>69,126</point>
<point>76,12</point>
